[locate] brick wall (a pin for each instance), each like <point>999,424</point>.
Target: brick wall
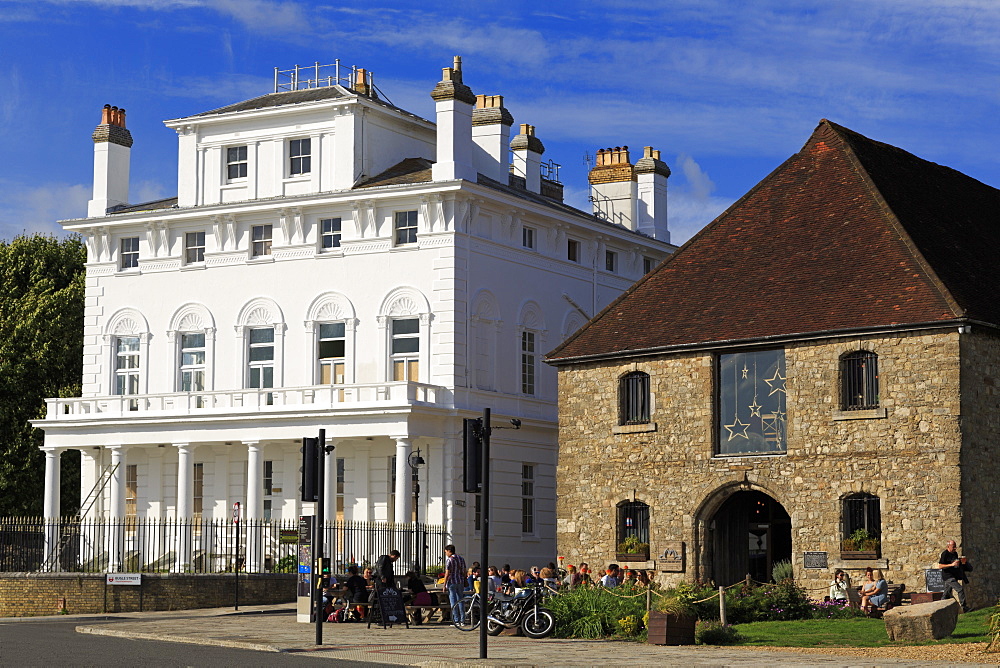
<point>32,594</point>
<point>910,458</point>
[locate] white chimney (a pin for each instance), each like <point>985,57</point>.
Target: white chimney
<point>528,150</point>
<point>613,186</point>
<point>651,207</point>
<point>491,135</point>
<point>454,102</point>
<point>112,150</point>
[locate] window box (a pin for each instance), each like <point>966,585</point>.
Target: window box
<point>868,555</point>
<point>632,548</point>
<point>632,556</point>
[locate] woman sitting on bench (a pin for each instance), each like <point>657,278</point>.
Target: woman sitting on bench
<point>874,591</point>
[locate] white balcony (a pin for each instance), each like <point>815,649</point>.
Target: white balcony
<point>277,400</point>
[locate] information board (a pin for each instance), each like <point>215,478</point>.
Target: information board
<point>814,560</point>
<point>933,579</point>
<point>390,603</point>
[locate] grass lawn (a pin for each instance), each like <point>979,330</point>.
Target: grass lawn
<point>859,632</point>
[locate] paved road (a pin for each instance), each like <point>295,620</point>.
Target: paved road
<point>52,643</point>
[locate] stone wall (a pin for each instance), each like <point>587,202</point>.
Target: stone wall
<point>907,454</point>
<point>980,463</point>
<point>33,594</point>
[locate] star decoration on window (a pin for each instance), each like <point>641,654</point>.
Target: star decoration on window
<point>737,428</point>
<point>745,370</point>
<point>776,383</point>
<point>755,408</point>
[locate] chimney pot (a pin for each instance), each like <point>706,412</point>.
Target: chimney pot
<point>647,152</point>
<point>458,63</point>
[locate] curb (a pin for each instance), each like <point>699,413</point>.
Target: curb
<point>100,631</point>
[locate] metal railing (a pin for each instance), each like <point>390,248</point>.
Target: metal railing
<point>166,545</point>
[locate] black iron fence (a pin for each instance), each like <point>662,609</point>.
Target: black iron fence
<point>164,545</point>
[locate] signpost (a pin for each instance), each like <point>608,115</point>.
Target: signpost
<point>127,579</point>
<point>236,551</point>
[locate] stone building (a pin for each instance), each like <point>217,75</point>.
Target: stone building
<point>333,261</point>
<point>820,363</point>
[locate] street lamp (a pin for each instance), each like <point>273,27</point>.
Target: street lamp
<point>416,462</point>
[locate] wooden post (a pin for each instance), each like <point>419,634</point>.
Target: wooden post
<point>722,605</point>
<point>649,599</point>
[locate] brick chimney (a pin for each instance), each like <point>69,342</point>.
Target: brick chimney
<point>112,151</point>
<point>491,135</point>
<point>528,150</point>
<point>651,206</point>
<point>613,186</point>
<point>454,102</point>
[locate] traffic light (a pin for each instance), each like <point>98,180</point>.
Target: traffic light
<point>310,488</point>
<point>324,566</point>
<point>472,450</point>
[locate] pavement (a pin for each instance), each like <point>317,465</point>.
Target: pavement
<point>274,628</point>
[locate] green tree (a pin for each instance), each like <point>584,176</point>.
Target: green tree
<point>42,283</point>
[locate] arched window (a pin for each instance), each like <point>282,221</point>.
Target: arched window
<point>633,398</point>
<point>859,381</point>
<point>633,520</point>
<point>862,515</point>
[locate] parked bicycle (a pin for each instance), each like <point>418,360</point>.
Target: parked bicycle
<point>468,618</point>
<point>522,609</point>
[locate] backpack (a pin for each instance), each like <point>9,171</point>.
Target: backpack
<point>338,615</point>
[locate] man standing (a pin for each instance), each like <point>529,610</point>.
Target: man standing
<point>454,582</point>
<point>384,567</point>
<point>953,574</point>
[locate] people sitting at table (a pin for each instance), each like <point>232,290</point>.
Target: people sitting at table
<point>357,588</point>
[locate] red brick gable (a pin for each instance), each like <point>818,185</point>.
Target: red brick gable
<point>847,234</point>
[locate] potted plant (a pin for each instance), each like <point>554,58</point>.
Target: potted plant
<point>860,545</point>
<point>631,549</point>
<point>671,622</point>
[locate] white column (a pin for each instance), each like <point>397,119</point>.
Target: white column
<point>330,498</point>
<point>51,503</point>
<point>116,487</point>
<point>404,483</point>
<point>255,480</point>
<point>51,506</point>
<point>184,495</point>
<point>184,474</point>
<point>116,508</point>
<point>361,482</point>
<point>255,506</point>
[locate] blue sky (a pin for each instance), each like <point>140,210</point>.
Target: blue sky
<point>726,89</point>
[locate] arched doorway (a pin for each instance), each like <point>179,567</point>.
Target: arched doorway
<point>748,534</point>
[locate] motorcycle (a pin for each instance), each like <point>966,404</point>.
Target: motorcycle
<point>522,609</point>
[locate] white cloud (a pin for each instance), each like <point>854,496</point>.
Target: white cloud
<point>26,210</point>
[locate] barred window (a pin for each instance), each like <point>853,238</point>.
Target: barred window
<point>862,512</point>
<point>633,520</point>
<point>633,398</point>
<point>859,381</point>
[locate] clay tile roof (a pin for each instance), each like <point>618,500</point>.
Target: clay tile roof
<point>411,170</point>
<point>846,235</point>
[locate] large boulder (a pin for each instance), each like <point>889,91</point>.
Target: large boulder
<point>925,621</point>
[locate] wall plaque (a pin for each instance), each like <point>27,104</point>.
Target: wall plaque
<point>671,559</point>
<point>814,560</point>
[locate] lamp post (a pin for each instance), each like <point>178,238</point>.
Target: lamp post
<point>416,462</point>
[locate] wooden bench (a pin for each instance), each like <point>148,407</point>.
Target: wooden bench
<point>415,612</point>
<point>895,598</point>
<point>442,610</point>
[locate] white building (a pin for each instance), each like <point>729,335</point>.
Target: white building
<point>332,261</point>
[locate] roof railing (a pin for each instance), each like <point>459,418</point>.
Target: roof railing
<point>319,76</point>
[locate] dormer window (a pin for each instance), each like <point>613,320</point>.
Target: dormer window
<point>299,157</point>
<point>236,163</point>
